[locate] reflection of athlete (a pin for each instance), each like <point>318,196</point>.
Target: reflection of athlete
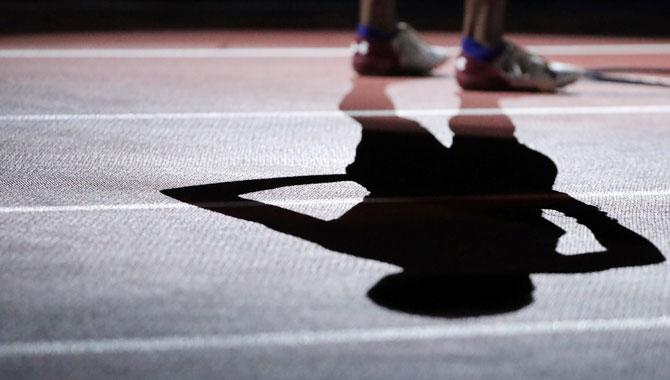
<point>487,60</point>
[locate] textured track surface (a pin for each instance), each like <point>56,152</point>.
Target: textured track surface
<point>110,270</point>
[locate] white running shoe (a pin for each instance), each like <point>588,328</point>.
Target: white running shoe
<point>405,53</point>
<point>514,69</point>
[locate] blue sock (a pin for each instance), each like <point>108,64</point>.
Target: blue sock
<point>368,33</point>
<point>479,51</point>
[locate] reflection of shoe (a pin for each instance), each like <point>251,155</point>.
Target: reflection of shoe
<point>405,53</point>
<point>514,69</point>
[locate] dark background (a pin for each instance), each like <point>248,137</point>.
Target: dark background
<point>614,17</point>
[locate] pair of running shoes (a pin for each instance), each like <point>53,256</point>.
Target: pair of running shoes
<point>513,69</point>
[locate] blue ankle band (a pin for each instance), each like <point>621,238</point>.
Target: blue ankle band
<point>367,33</point>
<point>479,51</point>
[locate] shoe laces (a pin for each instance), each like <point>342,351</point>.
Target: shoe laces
<point>519,62</point>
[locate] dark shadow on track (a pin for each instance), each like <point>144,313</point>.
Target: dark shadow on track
<point>464,222</point>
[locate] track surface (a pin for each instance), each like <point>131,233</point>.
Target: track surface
<point>104,276</point>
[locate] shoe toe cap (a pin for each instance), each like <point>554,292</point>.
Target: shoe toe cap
<point>565,73</point>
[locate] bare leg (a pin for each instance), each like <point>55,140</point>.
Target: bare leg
<point>483,21</point>
<point>379,14</point>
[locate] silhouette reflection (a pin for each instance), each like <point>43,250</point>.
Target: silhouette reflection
<point>463,222</point>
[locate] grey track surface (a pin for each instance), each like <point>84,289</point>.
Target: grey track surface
<point>167,278</point>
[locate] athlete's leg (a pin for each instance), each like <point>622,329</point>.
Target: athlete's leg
<point>483,21</point>
<point>378,14</point>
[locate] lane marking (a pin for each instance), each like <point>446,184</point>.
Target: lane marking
<point>308,52</point>
<point>74,208</point>
<point>311,338</point>
<point>316,202</point>
<point>443,112</point>
<point>289,52</point>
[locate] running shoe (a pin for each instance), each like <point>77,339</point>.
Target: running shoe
<point>514,69</point>
<point>405,54</point>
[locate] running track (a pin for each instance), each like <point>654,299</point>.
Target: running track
<point>110,271</point>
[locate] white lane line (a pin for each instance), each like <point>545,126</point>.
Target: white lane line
<point>118,207</point>
<point>443,112</point>
<point>316,202</point>
<point>310,338</point>
<point>307,52</point>
<point>289,52</point>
